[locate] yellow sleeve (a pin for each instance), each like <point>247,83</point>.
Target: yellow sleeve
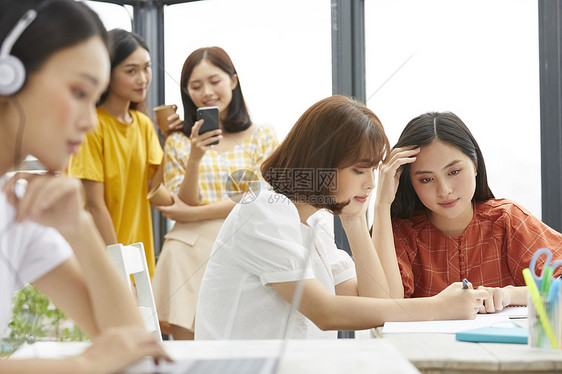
<point>154,150</point>
<point>88,162</point>
<point>271,142</point>
<point>268,142</point>
<point>176,153</point>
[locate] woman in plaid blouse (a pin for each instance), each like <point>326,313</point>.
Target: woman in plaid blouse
<point>447,224</point>
<point>206,179</point>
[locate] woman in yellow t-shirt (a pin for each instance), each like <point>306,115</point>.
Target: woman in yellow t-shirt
<point>120,158</point>
<point>203,177</point>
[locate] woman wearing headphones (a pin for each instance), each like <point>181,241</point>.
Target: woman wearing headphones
<point>46,236</point>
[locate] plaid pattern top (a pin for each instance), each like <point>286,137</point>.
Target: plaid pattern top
<point>215,167</point>
<point>493,250</point>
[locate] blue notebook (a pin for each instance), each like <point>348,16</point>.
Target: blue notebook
<point>516,335</point>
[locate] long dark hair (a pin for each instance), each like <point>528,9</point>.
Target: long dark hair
<point>237,118</point>
<point>422,130</point>
<point>59,24</point>
<point>122,44</point>
<point>334,133</point>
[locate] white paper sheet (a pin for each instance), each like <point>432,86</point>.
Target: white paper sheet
<point>443,327</point>
<point>511,312</point>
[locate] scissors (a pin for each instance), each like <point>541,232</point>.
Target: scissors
<point>548,262</point>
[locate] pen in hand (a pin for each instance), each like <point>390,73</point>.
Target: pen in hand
<point>465,284</point>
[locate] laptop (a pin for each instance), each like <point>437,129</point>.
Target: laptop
<point>266,364</point>
<point>230,365</point>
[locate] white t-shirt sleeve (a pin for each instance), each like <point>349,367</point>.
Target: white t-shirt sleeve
<point>47,250</point>
<point>268,240</point>
<point>27,252</point>
<point>343,267</point>
<point>341,263</point>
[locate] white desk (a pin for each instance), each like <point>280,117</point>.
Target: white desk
<point>441,353</point>
<point>301,356</point>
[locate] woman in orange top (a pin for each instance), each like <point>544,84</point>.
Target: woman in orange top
<point>447,224</point>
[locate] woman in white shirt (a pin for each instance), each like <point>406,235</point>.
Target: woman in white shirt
<point>58,67</point>
<point>269,246</point>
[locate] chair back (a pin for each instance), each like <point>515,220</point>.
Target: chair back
<point>131,260</point>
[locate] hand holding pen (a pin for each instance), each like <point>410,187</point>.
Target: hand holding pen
<point>497,299</point>
<point>460,301</point>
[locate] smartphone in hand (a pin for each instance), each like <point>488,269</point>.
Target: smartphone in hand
<point>210,115</point>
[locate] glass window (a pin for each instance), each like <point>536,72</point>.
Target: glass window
<point>281,50</point>
<point>478,59</point>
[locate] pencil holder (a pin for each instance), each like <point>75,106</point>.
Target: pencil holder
<point>539,336</point>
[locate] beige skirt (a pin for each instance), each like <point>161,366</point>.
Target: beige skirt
<point>180,269</point>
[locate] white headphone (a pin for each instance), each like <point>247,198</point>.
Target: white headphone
<point>12,71</point>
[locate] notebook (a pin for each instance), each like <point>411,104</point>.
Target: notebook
<point>513,312</point>
<point>442,327</point>
<point>495,334</point>
<point>454,326</point>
